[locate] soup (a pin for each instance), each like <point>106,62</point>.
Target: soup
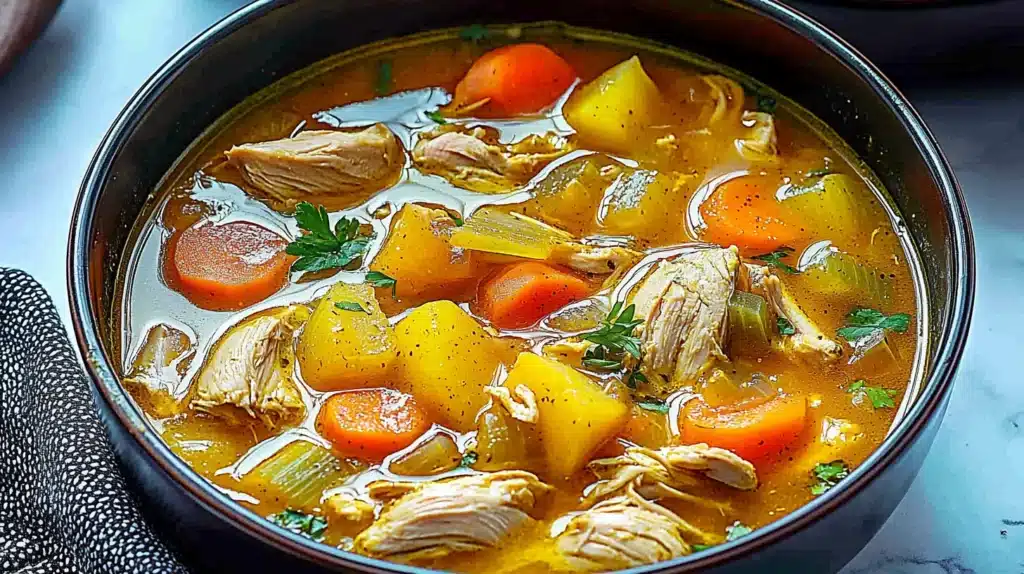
<point>528,296</point>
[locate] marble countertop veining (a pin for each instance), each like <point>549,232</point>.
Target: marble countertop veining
<point>964,513</point>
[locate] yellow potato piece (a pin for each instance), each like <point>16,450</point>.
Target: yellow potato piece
<point>576,415</point>
<point>612,111</point>
<point>418,254</point>
<point>347,349</point>
<point>446,359</point>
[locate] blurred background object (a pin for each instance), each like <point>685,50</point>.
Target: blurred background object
<point>21,22</point>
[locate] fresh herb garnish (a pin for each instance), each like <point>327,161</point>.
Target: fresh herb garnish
<point>863,322</point>
<point>736,530</point>
<point>321,247</point>
<point>766,104</point>
<point>309,525</point>
<point>635,377</point>
<point>350,306</point>
<point>384,79</point>
<point>468,459</point>
<point>880,398</point>
<point>828,475</point>
<point>700,547</point>
<point>436,117</point>
<point>615,335</point>
<point>785,327</point>
<point>775,259</point>
<point>653,405</point>
<point>475,33</point>
<point>378,279</point>
<point>458,220</point>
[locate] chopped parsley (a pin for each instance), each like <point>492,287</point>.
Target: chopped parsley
<point>384,79</point>
<point>475,33</point>
<point>863,322</point>
<point>736,530</point>
<point>785,327</point>
<point>459,222</point>
<point>766,104</point>
<point>468,459</point>
<point>321,247</point>
<point>700,547</point>
<point>308,525</point>
<point>775,259</point>
<point>654,405</point>
<point>635,377</point>
<point>350,306</point>
<point>880,398</point>
<point>378,279</point>
<point>828,475</point>
<point>436,117</point>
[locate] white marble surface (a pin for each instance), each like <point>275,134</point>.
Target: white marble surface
<point>965,512</point>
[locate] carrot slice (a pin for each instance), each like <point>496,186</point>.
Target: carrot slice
<point>757,432</point>
<point>743,213</point>
<point>371,424</point>
<point>516,79</point>
<point>521,294</point>
<point>227,267</point>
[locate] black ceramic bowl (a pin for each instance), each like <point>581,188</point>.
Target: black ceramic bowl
<point>272,38</point>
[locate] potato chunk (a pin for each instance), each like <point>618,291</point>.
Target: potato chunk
<point>446,359</point>
<point>418,253</point>
<point>613,110</point>
<point>346,349</point>
<point>576,415</point>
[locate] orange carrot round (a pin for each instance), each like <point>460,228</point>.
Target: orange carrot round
<point>521,294</point>
<point>227,267</point>
<point>742,212</point>
<point>754,433</point>
<point>371,424</point>
<point>516,79</point>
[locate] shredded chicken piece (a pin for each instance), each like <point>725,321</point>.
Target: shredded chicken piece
<point>594,259</point>
<point>808,340</point>
<point>668,471</point>
<point>333,168</point>
<point>524,409</point>
<point>159,367</point>
<point>684,303</point>
<point>346,507</point>
<point>568,351</point>
<point>624,532</point>
<point>251,370</point>
<point>475,160</point>
<point>759,143</point>
<point>433,519</point>
<point>728,96</point>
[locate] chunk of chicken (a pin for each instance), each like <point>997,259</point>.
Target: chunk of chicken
<point>475,160</point>
<point>728,97</point>
<point>759,142</point>
<point>251,370</point>
<point>669,471</point>
<point>809,341</point>
<point>594,259</point>
<point>337,169</point>
<point>684,303</point>
<point>433,519</point>
<point>346,508</point>
<point>159,367</point>
<point>623,532</point>
<point>520,402</point>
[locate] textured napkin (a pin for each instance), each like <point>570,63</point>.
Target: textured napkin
<point>63,503</point>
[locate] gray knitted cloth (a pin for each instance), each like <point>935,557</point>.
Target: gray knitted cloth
<point>63,503</point>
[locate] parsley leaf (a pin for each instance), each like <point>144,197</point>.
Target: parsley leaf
<point>774,259</point>
<point>308,525</point>
<point>700,547</point>
<point>863,322</point>
<point>828,475</point>
<point>766,104</point>
<point>635,377</point>
<point>615,334</point>
<point>880,398</point>
<point>736,530</point>
<point>436,117</point>
<point>384,79</point>
<point>475,33</point>
<point>468,459</point>
<point>378,279</point>
<point>653,405</point>
<point>350,306</point>
<point>785,327</point>
<point>321,247</point>
<point>459,222</point>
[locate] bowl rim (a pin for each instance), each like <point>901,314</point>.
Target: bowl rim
<point>936,387</point>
